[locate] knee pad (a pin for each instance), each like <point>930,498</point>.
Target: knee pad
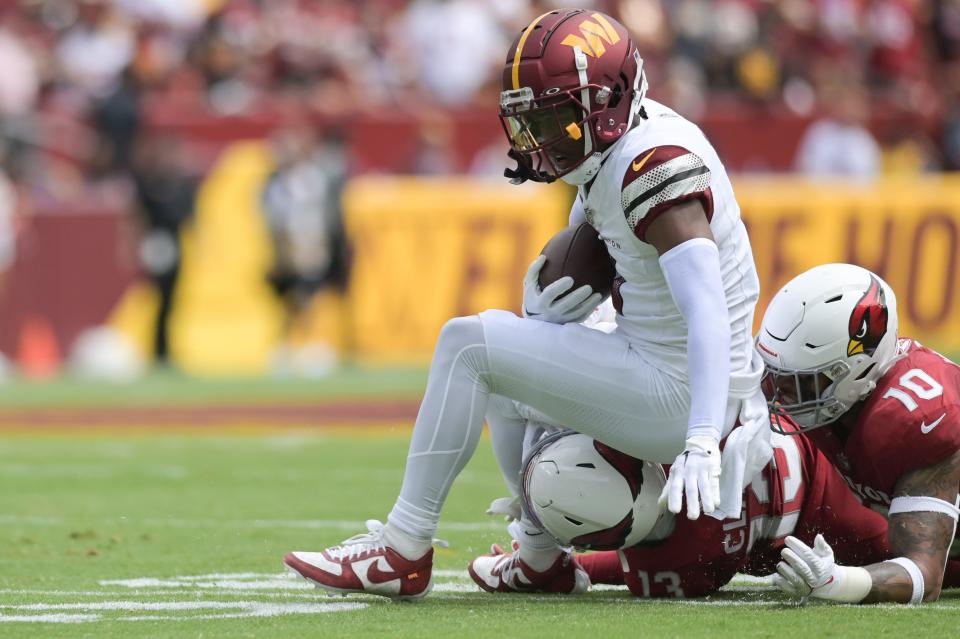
<point>461,341</point>
<point>461,332</point>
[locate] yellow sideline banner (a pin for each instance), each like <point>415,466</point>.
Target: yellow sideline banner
<point>426,250</point>
<point>905,230</point>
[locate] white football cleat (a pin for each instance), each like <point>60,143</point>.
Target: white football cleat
<point>365,564</point>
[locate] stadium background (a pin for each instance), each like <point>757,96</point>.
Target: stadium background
<point>398,99</point>
<point>230,231</point>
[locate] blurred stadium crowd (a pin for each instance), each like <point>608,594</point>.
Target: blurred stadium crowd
<point>90,88</point>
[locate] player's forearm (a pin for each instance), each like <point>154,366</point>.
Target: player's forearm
<point>709,356</point>
<point>922,522</point>
<point>692,270</point>
<point>890,583</point>
<point>919,540</point>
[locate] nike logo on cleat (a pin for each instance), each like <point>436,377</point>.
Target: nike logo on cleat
<point>926,428</point>
<point>377,575</point>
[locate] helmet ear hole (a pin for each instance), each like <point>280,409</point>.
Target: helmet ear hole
<point>866,371</point>
<point>616,96</point>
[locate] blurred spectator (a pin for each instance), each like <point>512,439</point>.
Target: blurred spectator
<point>94,51</point>
<point>456,45</point>
<point>302,202</point>
<point>165,194</point>
<point>8,212</point>
<point>20,80</point>
<point>839,145</point>
<point>117,118</point>
<point>433,154</point>
<point>118,64</point>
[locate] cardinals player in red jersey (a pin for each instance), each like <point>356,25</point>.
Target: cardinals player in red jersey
<point>885,411</point>
<point>798,493</point>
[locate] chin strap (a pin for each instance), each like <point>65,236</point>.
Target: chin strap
<point>523,172</point>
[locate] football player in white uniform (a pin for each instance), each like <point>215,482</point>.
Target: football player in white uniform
<point>666,385</point>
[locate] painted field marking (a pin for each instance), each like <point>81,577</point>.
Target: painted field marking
<point>234,609</point>
<point>452,585</point>
<point>311,524</point>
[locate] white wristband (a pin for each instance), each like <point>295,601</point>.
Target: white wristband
<point>851,584</point>
<point>915,576</point>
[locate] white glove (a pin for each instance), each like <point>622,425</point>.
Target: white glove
<point>556,303</point>
<point>508,507</point>
<point>696,474</point>
<point>747,451</point>
<point>812,572</point>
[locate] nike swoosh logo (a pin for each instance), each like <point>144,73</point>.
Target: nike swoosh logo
<point>926,428</point>
<point>636,166</point>
<point>381,571</point>
<point>377,575</point>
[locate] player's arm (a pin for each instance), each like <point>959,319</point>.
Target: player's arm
<point>668,202</point>
<point>690,261</point>
<point>923,517</point>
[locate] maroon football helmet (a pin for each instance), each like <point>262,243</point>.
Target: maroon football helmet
<point>572,84</point>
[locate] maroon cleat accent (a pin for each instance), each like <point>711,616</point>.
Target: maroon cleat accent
<point>363,564</point>
<point>502,572</point>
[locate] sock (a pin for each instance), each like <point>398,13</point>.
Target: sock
<point>537,549</point>
<point>409,547</point>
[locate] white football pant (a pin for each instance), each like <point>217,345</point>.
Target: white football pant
<point>593,382</point>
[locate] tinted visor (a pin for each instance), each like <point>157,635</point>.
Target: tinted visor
<point>556,130</point>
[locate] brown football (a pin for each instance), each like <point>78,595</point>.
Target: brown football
<point>578,251</point>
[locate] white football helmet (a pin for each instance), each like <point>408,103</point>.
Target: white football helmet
<point>826,338</point>
<point>588,495</point>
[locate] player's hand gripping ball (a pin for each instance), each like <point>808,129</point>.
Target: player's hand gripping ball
<point>572,275</point>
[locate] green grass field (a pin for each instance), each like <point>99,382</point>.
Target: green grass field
<point>156,533</point>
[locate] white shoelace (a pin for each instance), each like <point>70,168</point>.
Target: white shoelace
<point>510,571</point>
<point>359,544</point>
<point>368,542</point>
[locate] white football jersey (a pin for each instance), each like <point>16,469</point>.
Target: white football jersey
<point>663,161</point>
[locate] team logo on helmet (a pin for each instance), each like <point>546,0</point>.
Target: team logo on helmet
<point>868,321</point>
<point>595,34</point>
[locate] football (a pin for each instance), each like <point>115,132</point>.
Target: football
<point>587,495</point>
<point>578,251</point>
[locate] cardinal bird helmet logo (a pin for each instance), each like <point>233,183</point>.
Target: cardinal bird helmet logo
<point>868,321</point>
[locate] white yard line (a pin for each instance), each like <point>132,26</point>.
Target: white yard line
<point>123,599</point>
<point>54,618</point>
<point>312,524</point>
<point>234,609</point>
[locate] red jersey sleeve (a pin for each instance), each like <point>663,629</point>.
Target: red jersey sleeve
<point>660,178</point>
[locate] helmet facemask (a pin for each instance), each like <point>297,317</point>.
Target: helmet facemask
<point>566,133</point>
<point>807,397</point>
<point>550,134</point>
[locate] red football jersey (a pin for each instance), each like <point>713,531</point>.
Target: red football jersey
<point>798,493</point>
<point>857,534</point>
<point>910,421</point>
